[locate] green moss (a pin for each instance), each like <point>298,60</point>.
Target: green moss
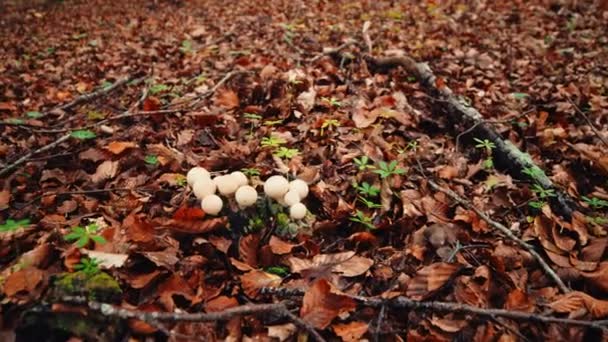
<point>100,286</point>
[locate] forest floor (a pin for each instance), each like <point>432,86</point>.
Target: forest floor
<point>95,206</point>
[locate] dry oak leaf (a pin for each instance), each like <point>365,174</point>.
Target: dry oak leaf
<point>346,264</point>
<point>248,249</point>
<point>575,301</point>
<point>320,305</point>
<point>280,247</point>
<point>227,98</point>
<point>23,281</point>
<point>351,332</point>
<point>598,277</point>
<point>431,278</point>
<point>193,226</point>
<point>105,170</point>
<point>255,280</point>
<point>107,260</point>
<point>5,198</point>
<point>282,331</point>
<point>220,303</point>
<point>118,147</point>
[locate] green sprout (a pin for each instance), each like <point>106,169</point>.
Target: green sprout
<point>88,266</point>
<point>186,47</point>
<point>333,102</point>
<point>488,146</point>
<point>366,189</point>
<point>595,202</point>
<point>329,124</point>
<point>369,204</point>
<point>272,141</point>
<point>151,159</point>
<point>386,170</point>
<point>271,123</point>
<point>537,204</point>
<point>363,219</point>
<point>533,172</point>
<point>83,134</point>
<point>251,172</point>
<point>281,271</point>
<point>82,236</point>
<point>284,152</point>
<point>363,163</point>
<point>253,118</point>
<point>11,225</point>
<point>543,193</point>
<point>412,145</point>
<point>597,220</point>
<point>158,88</point>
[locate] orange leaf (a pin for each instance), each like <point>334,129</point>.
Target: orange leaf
<point>221,303</point>
<point>186,213</point>
<point>25,280</point>
<point>320,306</point>
<point>280,247</point>
<point>577,300</point>
<point>151,104</point>
<point>118,147</point>
<point>351,332</point>
<point>227,99</point>
<point>5,198</point>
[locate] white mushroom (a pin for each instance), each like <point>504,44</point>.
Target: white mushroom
<point>297,211</point>
<point>276,187</point>
<point>212,204</point>
<point>204,187</point>
<point>246,196</point>
<point>239,178</point>
<point>291,197</point>
<point>300,186</point>
<point>195,174</point>
<point>226,185</point>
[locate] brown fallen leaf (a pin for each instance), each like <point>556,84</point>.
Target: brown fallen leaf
<point>253,281</point>
<point>105,170</point>
<point>576,300</point>
<point>5,198</point>
<point>221,303</point>
<point>280,247</point>
<point>282,331</point>
<point>431,278</point>
<point>320,305</point>
<point>24,281</point>
<point>345,264</point>
<point>227,98</point>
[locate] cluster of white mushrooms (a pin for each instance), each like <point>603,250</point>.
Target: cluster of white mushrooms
<point>236,183</point>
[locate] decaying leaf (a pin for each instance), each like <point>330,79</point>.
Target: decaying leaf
<point>254,280</point>
<point>320,305</point>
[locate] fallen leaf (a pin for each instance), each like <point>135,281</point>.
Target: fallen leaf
<point>282,331</point>
<point>320,305</point>
<point>5,198</point>
<point>221,303</point>
<point>351,332</point>
<point>24,281</point>
<point>431,278</point>
<point>576,300</point>
<point>253,281</point>
<point>107,260</point>
<point>345,264</point>
<point>118,147</point>
<point>227,98</point>
<point>105,170</point>
<point>280,247</point>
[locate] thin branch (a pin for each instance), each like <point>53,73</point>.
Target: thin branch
<point>332,51</point>
<point>27,156</point>
<point>91,96</point>
<point>508,233</point>
<point>153,317</point>
<point>581,113</point>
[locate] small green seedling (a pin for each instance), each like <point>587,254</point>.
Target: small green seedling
<point>272,141</point>
<point>541,192</point>
<point>271,123</point>
<point>488,146</point>
<point>11,225</point>
<point>533,172</point>
<point>158,88</point>
<point>412,145</point>
<point>597,220</point>
<point>186,47</point>
<point>284,152</point>
<point>595,202</point>
<point>151,159</point>
<point>386,170</point>
<point>88,266</point>
<point>369,204</point>
<point>181,180</point>
<point>254,119</point>
<point>537,204</point>
<point>363,163</point>
<point>333,102</point>
<point>251,172</point>
<point>281,271</point>
<point>34,115</point>
<point>329,124</point>
<point>82,236</point>
<point>366,189</point>
<point>363,219</point>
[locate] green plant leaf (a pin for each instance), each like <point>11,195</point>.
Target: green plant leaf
<point>151,159</point>
<point>12,225</point>
<point>82,241</point>
<point>34,115</point>
<point>83,134</point>
<point>99,239</point>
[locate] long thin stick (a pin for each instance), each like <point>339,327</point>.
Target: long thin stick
<point>91,96</point>
<point>27,156</point>
<point>595,130</point>
<point>497,225</point>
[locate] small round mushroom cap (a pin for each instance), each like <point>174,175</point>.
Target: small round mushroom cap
<point>246,196</point>
<point>276,187</point>
<point>291,197</point>
<point>300,186</point>
<point>195,174</point>
<point>226,185</point>
<point>203,188</point>
<point>297,211</point>
<point>212,204</point>
<point>240,178</point>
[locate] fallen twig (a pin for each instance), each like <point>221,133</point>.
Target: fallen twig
<point>27,156</point>
<point>152,317</point>
<point>505,152</point>
<point>508,233</point>
<point>332,51</point>
<point>595,130</point>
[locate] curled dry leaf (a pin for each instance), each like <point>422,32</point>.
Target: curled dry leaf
<point>194,226</point>
<point>431,278</point>
<point>320,305</point>
<point>248,249</point>
<point>280,247</point>
<point>5,198</point>
<point>345,264</point>
<point>107,260</point>
<point>227,98</point>
<point>24,281</point>
<point>282,331</point>
<point>575,301</point>
<point>221,303</point>
<point>255,280</point>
